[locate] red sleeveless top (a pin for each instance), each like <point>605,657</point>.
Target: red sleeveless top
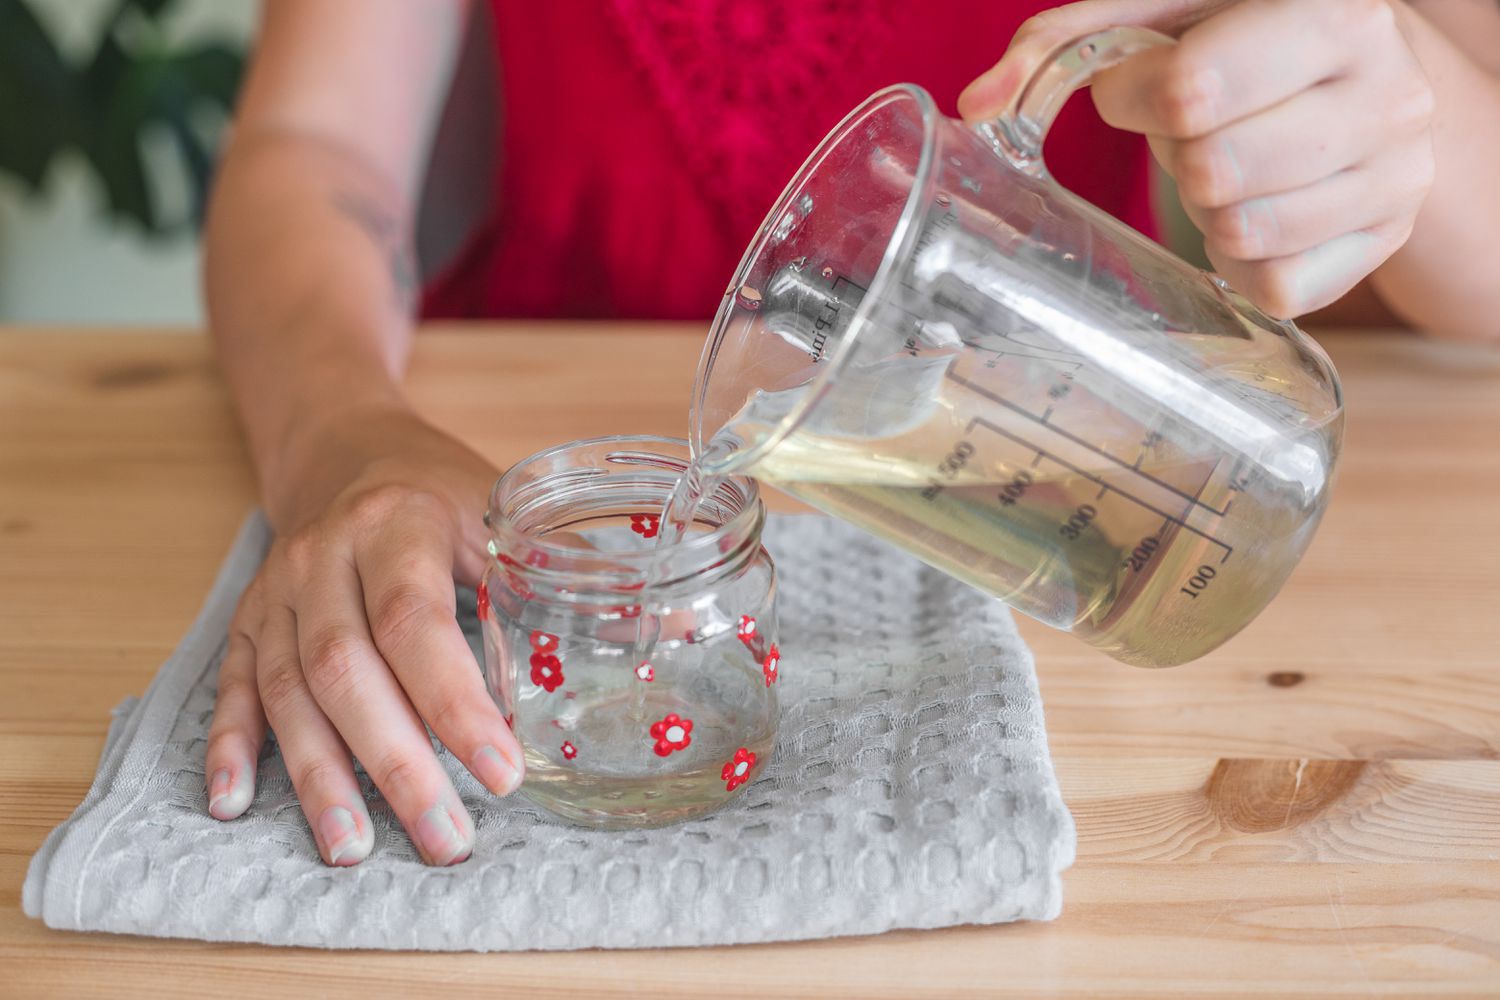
<point>644,140</point>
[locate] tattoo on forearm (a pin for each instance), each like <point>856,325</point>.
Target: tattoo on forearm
<point>382,227</point>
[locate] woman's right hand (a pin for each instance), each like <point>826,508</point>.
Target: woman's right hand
<point>346,643</point>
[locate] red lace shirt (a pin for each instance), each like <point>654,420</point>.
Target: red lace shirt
<point>644,140</point>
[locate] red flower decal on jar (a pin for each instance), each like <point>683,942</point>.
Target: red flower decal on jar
<point>771,665</point>
<point>645,525</point>
<point>645,673</point>
<point>543,642</point>
<point>569,750</point>
<point>746,629</point>
<point>546,671</point>
<point>671,733</point>
<point>482,602</point>
<point>737,771</point>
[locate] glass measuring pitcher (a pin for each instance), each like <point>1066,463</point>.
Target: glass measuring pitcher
<point>932,339</point>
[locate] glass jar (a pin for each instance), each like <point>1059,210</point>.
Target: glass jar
<point>619,731</point>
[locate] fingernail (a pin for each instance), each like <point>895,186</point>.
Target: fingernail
<point>342,840</point>
<point>228,797</point>
<point>497,773</point>
<point>440,838</point>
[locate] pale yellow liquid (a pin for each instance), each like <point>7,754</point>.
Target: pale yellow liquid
<point>1145,545</point>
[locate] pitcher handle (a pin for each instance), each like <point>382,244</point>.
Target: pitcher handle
<point>1018,132</point>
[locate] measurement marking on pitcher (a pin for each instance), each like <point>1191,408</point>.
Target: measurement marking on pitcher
<point>993,362</point>
<point>1107,487</point>
<point>1080,442</point>
<point>828,315</point>
<point>1047,358</point>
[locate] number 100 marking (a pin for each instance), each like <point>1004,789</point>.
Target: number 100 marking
<point>1198,582</point>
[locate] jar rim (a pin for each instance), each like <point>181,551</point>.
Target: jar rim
<point>695,553</point>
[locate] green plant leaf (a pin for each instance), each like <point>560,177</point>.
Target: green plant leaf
<point>199,164</point>
<point>132,82</point>
<point>113,144</point>
<point>126,11</point>
<point>212,77</point>
<point>170,96</point>
<point>122,172</point>
<point>100,78</point>
<point>36,95</point>
<point>151,8</point>
<point>214,72</point>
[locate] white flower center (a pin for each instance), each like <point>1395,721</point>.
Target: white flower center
<point>741,768</point>
<point>675,734</point>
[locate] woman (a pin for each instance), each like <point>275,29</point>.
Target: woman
<point>1323,146</point>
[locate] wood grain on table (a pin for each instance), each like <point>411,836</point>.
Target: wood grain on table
<point>1313,809</point>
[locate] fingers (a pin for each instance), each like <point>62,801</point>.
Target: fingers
<point>988,95</point>
<point>408,599</point>
<point>1249,158</point>
<point>1299,283</point>
<point>1298,135</point>
<point>236,734</point>
<point>1289,222</point>
<point>315,756</point>
<point>1233,65</point>
<point>354,686</point>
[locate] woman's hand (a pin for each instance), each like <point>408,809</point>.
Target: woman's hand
<point>1298,131</point>
<point>346,641</point>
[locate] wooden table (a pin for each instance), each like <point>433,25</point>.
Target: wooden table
<point>1313,809</point>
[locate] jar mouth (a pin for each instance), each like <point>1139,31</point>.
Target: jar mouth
<point>568,488</point>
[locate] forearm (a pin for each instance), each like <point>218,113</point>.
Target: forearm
<point>310,286</point>
<point>1443,280</point>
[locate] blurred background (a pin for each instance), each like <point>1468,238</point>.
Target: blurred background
<point>110,113</point>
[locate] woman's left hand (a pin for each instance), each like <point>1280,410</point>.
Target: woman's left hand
<point>1298,131</point>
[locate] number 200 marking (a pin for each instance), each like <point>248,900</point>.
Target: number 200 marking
<point>1137,559</point>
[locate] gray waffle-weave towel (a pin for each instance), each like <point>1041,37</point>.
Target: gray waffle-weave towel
<point>911,787</point>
